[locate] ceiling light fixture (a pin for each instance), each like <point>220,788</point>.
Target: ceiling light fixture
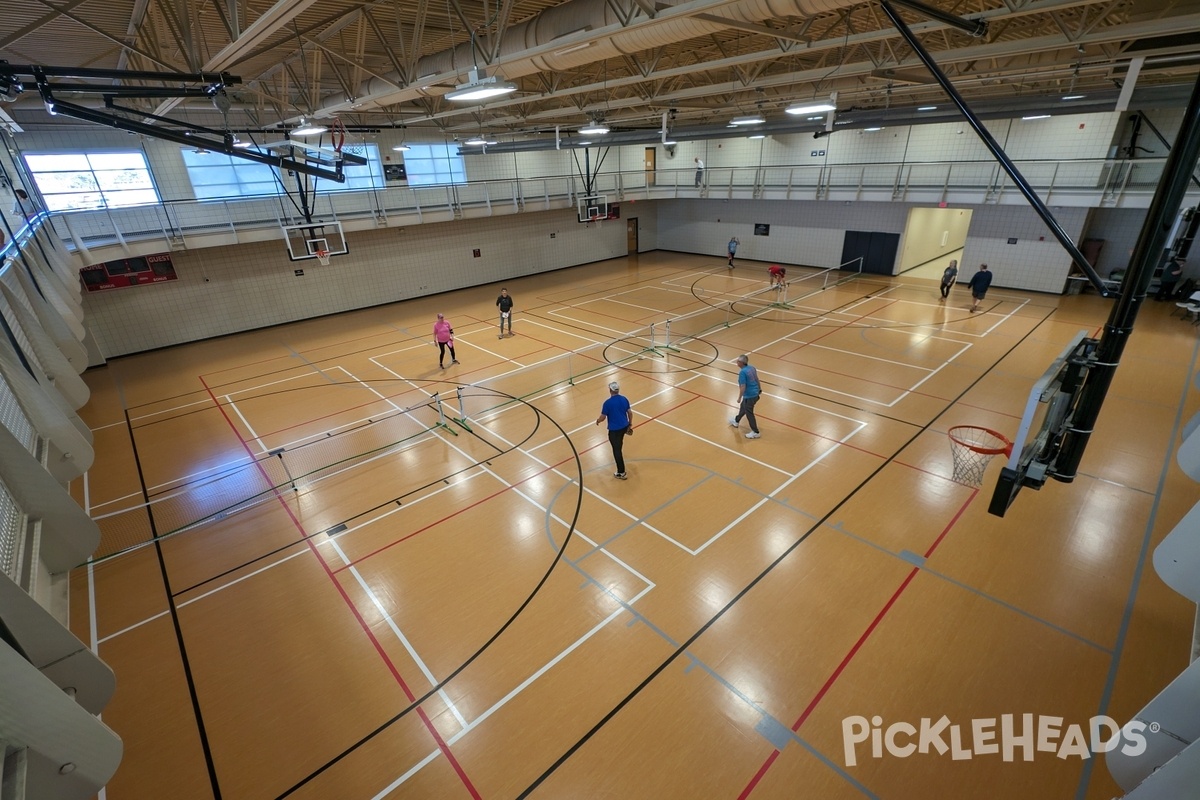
<point>475,141</point>
<point>480,87</point>
<point>1075,97</point>
<point>1036,116</point>
<point>240,145</point>
<point>926,108</point>
<point>748,119</point>
<point>308,129</point>
<point>872,130</point>
<point>402,148</point>
<point>758,136</point>
<point>810,108</point>
<point>594,128</point>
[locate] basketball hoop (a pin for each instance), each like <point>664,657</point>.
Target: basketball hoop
<point>323,257</point>
<point>973,449</point>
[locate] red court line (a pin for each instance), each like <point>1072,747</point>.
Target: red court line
<point>358,616</point>
<point>845,662</point>
<point>493,495</point>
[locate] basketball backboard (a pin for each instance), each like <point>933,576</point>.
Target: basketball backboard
<point>593,208</point>
<point>1046,418</point>
<point>306,240</point>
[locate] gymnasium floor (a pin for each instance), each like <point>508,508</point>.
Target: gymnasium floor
<point>358,592</point>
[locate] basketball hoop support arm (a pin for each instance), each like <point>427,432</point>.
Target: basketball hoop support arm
<point>210,84</point>
<point>996,150</point>
<point>1172,186</point>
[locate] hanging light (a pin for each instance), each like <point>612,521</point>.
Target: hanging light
<point>594,128</point>
<point>480,87</point>
<point>810,108</point>
<point>748,119</point>
<point>402,148</point>
<point>308,129</point>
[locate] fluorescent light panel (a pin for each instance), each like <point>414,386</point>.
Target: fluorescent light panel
<point>480,87</point>
<point>308,130</point>
<point>749,119</point>
<point>594,129</point>
<point>810,108</point>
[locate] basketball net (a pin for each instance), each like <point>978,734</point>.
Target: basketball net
<point>323,257</point>
<point>973,449</point>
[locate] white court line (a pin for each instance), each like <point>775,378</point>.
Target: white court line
<point>515,691</point>
<point>170,410</point>
<point>110,502</point>
<point>246,422</point>
<point>763,501</point>
<point>391,623</point>
<point>531,321</point>
<point>134,625</point>
<point>721,446</point>
<point>403,639</point>
<point>247,576</point>
<point>109,425</point>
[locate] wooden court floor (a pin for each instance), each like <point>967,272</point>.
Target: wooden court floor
<point>317,580</point>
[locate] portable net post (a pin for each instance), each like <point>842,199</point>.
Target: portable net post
<point>973,448</point>
<point>441,423</point>
<point>462,412</point>
<point>667,339</point>
<point>278,452</point>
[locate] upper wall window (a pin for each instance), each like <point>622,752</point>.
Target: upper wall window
<point>216,175</point>
<point>433,164</point>
<point>92,180</point>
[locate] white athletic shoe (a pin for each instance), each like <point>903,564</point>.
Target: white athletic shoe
<point>733,422</point>
<point>753,435</point>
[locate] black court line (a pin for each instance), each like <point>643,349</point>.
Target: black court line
<point>345,522</point>
<point>470,659</point>
<point>187,667</point>
<point>683,648</point>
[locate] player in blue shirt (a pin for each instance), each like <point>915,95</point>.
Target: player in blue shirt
<point>617,411</point>
<point>748,393</point>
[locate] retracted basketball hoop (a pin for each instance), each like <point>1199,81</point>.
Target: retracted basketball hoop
<point>323,257</point>
<point>973,449</point>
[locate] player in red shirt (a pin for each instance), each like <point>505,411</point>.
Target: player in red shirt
<point>778,274</point>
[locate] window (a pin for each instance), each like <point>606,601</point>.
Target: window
<point>92,180</point>
<point>433,164</point>
<point>216,175</point>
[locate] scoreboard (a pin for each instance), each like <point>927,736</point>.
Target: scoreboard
<point>123,272</point>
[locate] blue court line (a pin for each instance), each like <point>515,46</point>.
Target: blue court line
<point>774,731</point>
<point>637,523</point>
<point>909,557</point>
<point>773,726</point>
<point>1106,696</point>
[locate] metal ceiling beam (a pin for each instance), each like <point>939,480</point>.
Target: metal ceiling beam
<point>274,18</point>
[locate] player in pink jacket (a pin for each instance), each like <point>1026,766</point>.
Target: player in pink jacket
<point>443,335</point>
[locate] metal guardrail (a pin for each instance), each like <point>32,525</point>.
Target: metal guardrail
<point>1100,182</point>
